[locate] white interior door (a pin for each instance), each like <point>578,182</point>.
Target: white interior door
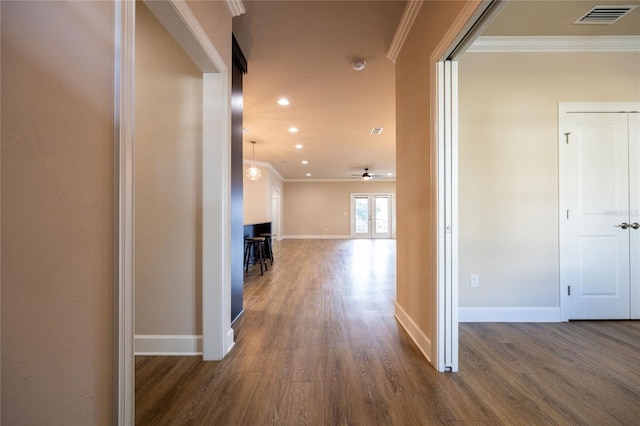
<point>596,266</point>
<point>371,216</point>
<point>634,220</point>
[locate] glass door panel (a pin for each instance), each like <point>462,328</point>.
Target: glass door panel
<point>382,215</point>
<point>362,216</point>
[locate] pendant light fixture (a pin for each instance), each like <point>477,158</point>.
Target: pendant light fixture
<point>253,173</point>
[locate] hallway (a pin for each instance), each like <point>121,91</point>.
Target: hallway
<point>318,345</point>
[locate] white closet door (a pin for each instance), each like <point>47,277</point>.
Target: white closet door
<point>597,268</point>
<point>634,201</point>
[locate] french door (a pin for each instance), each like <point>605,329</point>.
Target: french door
<point>599,219</point>
<point>371,216</point>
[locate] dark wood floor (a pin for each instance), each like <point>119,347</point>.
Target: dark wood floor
<point>318,345</point>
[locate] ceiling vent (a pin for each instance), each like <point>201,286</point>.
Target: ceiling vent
<point>605,14</point>
<point>376,130</point>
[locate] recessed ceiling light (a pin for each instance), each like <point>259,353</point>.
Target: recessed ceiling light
<point>299,146</point>
<point>308,174</point>
<point>389,174</point>
<point>283,101</point>
<point>293,129</point>
<point>245,130</point>
<point>376,130</point>
<point>305,162</point>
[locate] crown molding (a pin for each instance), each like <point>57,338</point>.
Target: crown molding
<point>267,166</point>
<point>493,44</point>
<point>275,172</point>
<point>354,180</point>
<point>406,22</point>
<point>236,7</point>
<point>278,175</point>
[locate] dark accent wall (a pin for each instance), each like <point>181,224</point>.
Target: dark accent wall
<point>237,207</point>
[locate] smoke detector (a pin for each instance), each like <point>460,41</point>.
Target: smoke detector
<point>359,64</point>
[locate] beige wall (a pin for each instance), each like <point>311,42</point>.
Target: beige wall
<point>508,180</point>
<point>57,212</point>
<point>322,208</point>
<point>57,221</point>
<point>257,195</point>
<point>167,185</point>
<point>416,173</point>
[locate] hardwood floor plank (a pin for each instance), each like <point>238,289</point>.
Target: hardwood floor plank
<point>318,344</point>
<point>299,404</point>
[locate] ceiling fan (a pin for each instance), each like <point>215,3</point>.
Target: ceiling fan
<point>367,176</point>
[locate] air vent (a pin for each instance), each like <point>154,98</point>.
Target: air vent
<point>605,14</point>
<point>376,130</point>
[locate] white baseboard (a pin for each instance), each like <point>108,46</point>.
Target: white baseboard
<point>316,237</point>
<point>230,340</point>
<point>419,338</point>
<point>536,314</point>
<point>167,345</point>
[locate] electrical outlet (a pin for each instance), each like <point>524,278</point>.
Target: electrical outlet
<point>474,280</point>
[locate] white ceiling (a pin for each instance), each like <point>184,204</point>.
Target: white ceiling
<point>303,50</point>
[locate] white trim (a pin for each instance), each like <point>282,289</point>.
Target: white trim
<point>276,225</point>
<point>124,121</point>
<point>404,26</point>
<point>494,44</point>
<point>275,172</point>
<point>216,216</point>
<point>236,7</point>
<point>447,293</point>
<point>354,180</point>
<point>569,107</point>
<point>179,21</point>
<point>267,166</point>
<point>444,83</point>
<point>510,314</point>
<point>419,338</point>
<point>316,237</point>
<point>168,345</point>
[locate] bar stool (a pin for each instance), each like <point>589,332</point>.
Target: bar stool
<point>267,245</point>
<point>255,244</point>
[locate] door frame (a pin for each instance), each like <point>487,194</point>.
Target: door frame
<point>471,21</point>
<point>565,108</point>
<point>370,195</point>
<point>277,222</point>
<point>177,18</point>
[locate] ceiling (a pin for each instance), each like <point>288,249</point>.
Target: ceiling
<point>304,50</point>
<point>555,18</point>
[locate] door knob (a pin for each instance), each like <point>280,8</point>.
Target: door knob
<point>624,225</point>
<point>635,225</point>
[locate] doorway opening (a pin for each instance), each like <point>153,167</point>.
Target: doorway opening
<point>213,195</point>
